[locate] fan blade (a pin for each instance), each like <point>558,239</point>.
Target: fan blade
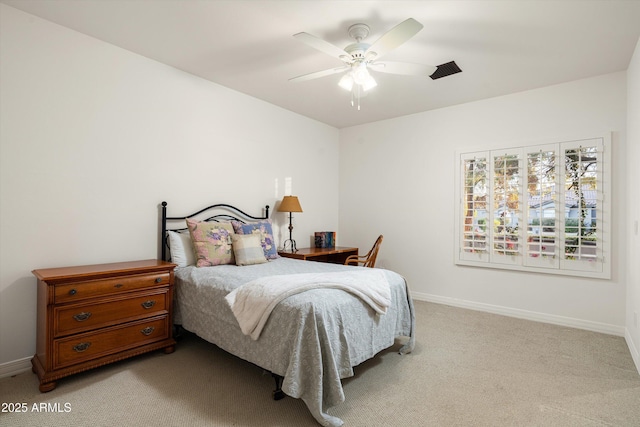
<point>323,46</point>
<point>394,37</point>
<point>318,74</point>
<point>404,68</point>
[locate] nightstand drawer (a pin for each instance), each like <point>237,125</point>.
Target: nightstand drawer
<point>81,290</point>
<point>82,317</point>
<point>79,348</point>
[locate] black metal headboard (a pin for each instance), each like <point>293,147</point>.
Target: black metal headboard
<point>227,213</point>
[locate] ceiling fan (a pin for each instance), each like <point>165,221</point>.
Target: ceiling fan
<point>360,57</point>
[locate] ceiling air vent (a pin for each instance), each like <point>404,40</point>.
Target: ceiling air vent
<point>445,70</point>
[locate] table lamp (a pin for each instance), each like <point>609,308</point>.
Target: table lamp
<point>290,204</point>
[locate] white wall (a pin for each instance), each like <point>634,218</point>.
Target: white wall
<point>633,135</point>
<point>407,165</point>
<point>94,137</point>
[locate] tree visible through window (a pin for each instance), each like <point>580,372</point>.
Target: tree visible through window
<point>537,208</point>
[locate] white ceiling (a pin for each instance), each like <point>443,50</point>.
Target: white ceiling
<point>502,46</point>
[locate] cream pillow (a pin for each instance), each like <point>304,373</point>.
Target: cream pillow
<point>181,249</point>
<point>247,249</point>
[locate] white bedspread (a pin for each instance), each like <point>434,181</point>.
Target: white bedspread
<point>253,302</point>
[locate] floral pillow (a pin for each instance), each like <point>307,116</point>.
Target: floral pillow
<point>211,242</point>
<point>262,228</point>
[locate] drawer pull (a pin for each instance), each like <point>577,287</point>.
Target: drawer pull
<point>81,317</point>
<point>148,330</point>
<point>83,346</point>
<point>119,285</point>
<point>73,292</point>
<point>148,304</point>
<point>159,279</point>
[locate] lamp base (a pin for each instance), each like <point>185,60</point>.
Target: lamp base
<point>292,245</point>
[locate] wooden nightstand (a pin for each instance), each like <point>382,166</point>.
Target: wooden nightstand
<point>92,315</point>
<point>336,255</point>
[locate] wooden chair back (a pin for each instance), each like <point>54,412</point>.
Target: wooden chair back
<point>368,260</point>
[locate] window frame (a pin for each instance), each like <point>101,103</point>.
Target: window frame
<point>530,258</point>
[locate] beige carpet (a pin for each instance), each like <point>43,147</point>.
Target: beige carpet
<point>468,369</point>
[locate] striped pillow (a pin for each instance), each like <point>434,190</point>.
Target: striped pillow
<point>264,230</point>
<point>247,249</point>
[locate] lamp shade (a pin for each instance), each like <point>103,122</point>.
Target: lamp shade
<point>290,204</point>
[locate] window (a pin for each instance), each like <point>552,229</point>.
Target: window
<point>542,208</point>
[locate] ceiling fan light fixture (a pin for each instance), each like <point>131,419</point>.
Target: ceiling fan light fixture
<point>346,82</point>
<point>361,74</point>
<point>370,83</point>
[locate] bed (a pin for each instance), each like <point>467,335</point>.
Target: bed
<point>308,340</point>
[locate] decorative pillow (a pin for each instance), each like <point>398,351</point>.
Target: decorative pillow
<point>264,230</point>
<point>181,249</point>
<point>211,242</point>
<point>248,249</point>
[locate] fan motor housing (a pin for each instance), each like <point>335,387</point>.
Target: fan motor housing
<point>357,50</point>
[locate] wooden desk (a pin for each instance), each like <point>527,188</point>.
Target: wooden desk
<point>336,255</point>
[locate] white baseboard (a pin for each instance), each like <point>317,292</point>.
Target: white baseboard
<point>15,367</point>
<point>524,314</point>
<point>633,349</point>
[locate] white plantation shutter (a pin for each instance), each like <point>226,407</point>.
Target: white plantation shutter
<point>583,206</point>
<point>542,214</point>
<point>541,208</point>
<point>506,212</point>
<point>473,218</point>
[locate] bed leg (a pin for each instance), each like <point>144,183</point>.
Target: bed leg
<point>178,331</point>
<point>278,393</point>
